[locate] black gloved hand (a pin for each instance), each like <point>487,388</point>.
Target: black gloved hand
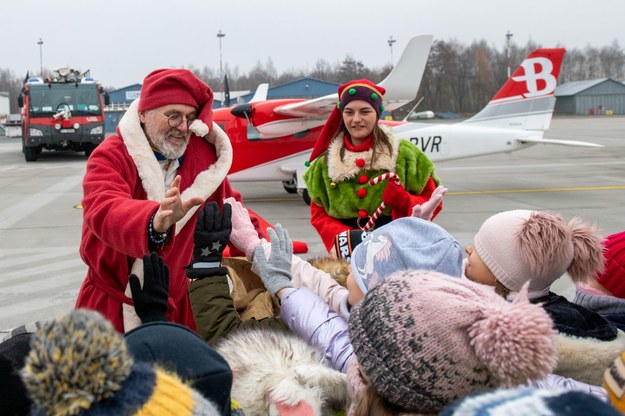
<point>212,234</point>
<point>151,300</point>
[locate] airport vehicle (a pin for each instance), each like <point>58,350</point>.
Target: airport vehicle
<point>64,111</point>
<point>272,139</point>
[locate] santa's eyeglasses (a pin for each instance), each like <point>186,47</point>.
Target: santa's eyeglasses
<point>175,119</point>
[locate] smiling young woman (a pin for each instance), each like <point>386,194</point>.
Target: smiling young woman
<point>352,149</point>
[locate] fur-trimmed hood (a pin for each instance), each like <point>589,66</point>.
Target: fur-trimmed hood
<point>275,373</point>
<point>340,170</point>
<point>585,359</point>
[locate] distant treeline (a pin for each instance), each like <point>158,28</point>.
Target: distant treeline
<point>457,77</point>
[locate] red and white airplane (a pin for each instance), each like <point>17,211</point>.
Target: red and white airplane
<point>272,139</point>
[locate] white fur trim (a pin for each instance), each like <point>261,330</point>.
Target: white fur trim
<point>153,180</point>
<point>131,319</point>
<point>270,366</point>
<point>139,149</point>
<point>341,170</point>
<point>199,128</point>
<point>585,359</point>
<point>313,384</point>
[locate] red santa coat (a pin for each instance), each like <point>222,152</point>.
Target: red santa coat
<point>121,189</point>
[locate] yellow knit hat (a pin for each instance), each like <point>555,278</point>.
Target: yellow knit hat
<point>79,364</point>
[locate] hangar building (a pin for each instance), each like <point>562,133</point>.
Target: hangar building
<point>591,97</point>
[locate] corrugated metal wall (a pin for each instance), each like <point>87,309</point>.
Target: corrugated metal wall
<point>600,104</point>
<point>604,98</point>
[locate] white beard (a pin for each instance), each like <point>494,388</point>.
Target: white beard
<point>166,148</point>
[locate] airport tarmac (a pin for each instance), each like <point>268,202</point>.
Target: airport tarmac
<point>40,218</point>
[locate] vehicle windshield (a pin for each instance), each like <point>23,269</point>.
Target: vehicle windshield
<point>49,99</point>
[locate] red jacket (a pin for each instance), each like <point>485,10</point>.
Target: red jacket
<point>115,222</point>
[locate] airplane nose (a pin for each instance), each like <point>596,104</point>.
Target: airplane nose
<point>242,111</point>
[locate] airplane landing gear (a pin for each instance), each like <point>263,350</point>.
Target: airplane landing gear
<point>306,197</point>
<point>290,186</point>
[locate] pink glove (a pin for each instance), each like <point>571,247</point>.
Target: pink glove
<point>426,210</point>
<point>243,235</point>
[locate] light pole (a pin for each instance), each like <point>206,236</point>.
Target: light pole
<point>40,43</point>
<point>508,36</point>
<point>390,44</point>
<point>220,35</point>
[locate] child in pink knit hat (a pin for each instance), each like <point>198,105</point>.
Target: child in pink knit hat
<point>516,247</point>
<point>423,339</point>
<point>277,268</point>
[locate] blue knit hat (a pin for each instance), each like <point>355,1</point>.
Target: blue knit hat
<point>530,401</point>
<point>408,243</point>
<point>180,350</point>
<point>79,365</point>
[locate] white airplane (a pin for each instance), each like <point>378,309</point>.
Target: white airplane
<point>272,139</point>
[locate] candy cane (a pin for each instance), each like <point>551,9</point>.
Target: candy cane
<point>384,176</point>
<point>378,212</point>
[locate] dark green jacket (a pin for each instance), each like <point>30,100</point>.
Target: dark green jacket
<point>214,311</point>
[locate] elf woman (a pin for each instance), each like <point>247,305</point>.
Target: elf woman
<point>352,149</point>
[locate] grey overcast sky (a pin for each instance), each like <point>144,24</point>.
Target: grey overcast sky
<point>123,40</point>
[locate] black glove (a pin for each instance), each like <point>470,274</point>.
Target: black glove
<point>151,300</point>
<point>212,234</point>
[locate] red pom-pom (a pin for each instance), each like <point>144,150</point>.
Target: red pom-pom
<point>363,179</point>
<point>362,213</point>
<point>360,162</point>
<point>362,192</point>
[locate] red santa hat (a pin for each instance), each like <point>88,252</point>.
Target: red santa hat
<point>360,89</point>
<point>179,86</point>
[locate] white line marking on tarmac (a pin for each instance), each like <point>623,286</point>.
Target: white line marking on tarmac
<point>440,166</point>
<point>15,213</point>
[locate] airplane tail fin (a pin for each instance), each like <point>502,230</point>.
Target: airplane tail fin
<point>261,93</point>
<point>526,100</point>
<point>402,83</point>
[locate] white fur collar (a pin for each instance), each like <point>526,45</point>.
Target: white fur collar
<point>341,170</point>
<point>151,173</point>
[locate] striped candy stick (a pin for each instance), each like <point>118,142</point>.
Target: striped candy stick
<point>374,217</point>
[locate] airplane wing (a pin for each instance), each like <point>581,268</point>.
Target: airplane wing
<point>575,143</point>
<point>401,84</point>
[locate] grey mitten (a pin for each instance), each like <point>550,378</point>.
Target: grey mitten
<point>275,272</point>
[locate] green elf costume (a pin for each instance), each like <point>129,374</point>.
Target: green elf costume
<point>342,200</point>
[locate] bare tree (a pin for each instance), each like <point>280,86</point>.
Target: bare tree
<point>352,69</point>
<point>457,78</point>
<point>11,84</point>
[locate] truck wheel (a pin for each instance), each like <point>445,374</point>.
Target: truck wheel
<point>31,154</point>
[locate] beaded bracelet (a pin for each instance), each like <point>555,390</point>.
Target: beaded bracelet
<point>156,238</point>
